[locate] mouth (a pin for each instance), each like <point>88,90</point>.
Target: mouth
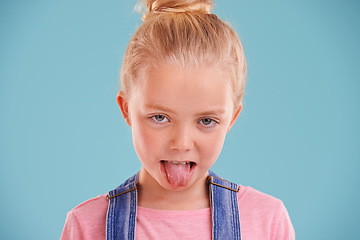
<point>177,173</point>
<point>179,163</point>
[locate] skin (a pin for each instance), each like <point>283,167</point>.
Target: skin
<point>182,115</point>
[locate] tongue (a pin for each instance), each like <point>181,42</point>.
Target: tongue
<point>177,174</point>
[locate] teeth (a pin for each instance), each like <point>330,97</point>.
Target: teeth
<point>181,163</point>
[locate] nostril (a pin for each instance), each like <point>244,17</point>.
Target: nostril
<point>183,148</point>
<point>181,145</point>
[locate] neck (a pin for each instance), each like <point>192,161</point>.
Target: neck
<point>152,195</point>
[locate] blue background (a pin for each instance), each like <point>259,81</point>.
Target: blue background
<point>63,139</point>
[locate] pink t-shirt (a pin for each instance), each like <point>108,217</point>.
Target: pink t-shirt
<point>261,217</point>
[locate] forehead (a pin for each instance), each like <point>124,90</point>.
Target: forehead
<point>178,87</point>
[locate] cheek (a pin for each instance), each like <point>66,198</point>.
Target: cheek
<point>145,141</point>
<point>212,146</point>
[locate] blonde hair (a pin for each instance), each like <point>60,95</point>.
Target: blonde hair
<point>184,32</point>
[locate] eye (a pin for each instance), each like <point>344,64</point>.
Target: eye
<point>159,118</point>
<point>208,122</point>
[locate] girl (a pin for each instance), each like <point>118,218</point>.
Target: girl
<point>182,81</point>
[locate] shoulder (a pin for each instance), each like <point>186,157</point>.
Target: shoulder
<point>263,215</point>
<point>87,220</point>
<point>91,208</point>
<point>250,197</point>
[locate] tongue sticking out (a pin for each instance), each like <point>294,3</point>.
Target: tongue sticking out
<point>178,174</point>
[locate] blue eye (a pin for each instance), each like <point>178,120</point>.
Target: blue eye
<point>159,118</point>
<point>208,122</point>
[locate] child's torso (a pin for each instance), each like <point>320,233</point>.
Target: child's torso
<point>261,217</point>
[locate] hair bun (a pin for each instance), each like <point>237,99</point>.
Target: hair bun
<point>178,6</point>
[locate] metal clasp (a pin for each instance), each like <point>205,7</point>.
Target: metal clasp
<point>136,186</point>
<point>209,179</point>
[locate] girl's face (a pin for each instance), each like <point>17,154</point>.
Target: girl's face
<point>179,120</point>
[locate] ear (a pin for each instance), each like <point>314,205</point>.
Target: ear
<point>123,102</point>
<point>235,116</point>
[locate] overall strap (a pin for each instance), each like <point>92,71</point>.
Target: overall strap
<point>224,208</point>
<point>121,215</point>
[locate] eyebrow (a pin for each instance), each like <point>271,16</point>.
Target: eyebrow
<point>159,107</point>
<point>216,112</point>
<point>212,112</point>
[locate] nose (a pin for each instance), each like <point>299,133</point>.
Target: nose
<point>182,138</point>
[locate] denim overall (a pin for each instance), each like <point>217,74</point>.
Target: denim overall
<point>121,215</point>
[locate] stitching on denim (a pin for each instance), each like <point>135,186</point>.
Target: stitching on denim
<point>110,218</point>
<point>216,214</point>
<point>132,215</point>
